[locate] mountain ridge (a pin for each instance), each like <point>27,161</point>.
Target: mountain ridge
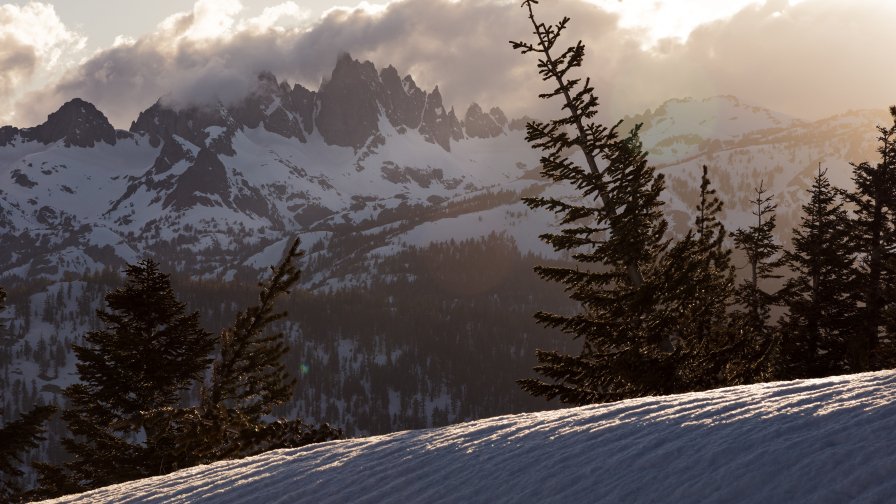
<point>367,150</point>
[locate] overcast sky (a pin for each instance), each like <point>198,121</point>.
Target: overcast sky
<point>807,58</point>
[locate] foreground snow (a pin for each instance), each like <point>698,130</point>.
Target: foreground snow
<point>827,440</point>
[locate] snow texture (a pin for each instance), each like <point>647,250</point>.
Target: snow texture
<point>824,440</point>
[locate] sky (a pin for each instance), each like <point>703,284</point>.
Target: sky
<point>806,58</point>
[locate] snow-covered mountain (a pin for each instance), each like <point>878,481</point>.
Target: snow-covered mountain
<point>368,148</point>
<point>824,440</point>
<point>215,189</point>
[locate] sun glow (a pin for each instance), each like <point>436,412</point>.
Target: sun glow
<point>663,19</point>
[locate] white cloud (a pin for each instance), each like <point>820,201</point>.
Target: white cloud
<point>36,25</point>
<point>209,19</point>
<point>213,18</point>
<point>32,40</point>
<point>123,40</point>
<point>660,19</point>
<point>288,13</point>
<point>364,8</point>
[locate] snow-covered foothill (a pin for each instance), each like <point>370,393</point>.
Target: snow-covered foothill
<point>823,440</point>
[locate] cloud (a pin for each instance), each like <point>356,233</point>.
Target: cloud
<point>271,16</point>
<point>809,58</point>
<point>32,38</point>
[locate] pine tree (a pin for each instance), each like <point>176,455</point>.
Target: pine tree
<point>716,282</point>
<point>821,296</point>
<point>150,351</point>
<point>710,349</point>
<point>631,281</point>
<point>874,199</point>
<point>17,438</point>
<point>764,258</point>
<point>248,380</point>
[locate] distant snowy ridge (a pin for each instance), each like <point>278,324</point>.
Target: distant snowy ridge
<point>824,440</point>
<point>207,188</point>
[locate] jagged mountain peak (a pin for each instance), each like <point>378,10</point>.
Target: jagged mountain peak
<point>201,125</point>
<point>479,124</point>
<point>352,100</point>
<point>78,123</point>
<point>349,68</point>
<point>348,112</point>
<point>345,111</point>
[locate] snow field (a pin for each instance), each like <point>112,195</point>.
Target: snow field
<point>825,440</point>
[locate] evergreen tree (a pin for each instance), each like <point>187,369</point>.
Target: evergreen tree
<point>632,282</point>
<point>150,351</point>
<point>248,380</point>
<point>710,348</point>
<point>17,438</point>
<point>821,296</point>
<point>874,199</point>
<point>712,299</point>
<point>764,258</point>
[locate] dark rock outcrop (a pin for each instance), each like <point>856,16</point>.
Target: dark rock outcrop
<point>77,123</point>
<point>348,103</point>
<point>200,183</point>
<point>160,122</point>
<point>478,124</point>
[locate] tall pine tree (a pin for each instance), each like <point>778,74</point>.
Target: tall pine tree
<point>248,380</point>
<point>764,259</point>
<point>821,296</point>
<point>150,351</point>
<point>633,284</point>
<point>874,199</point>
<point>711,349</point>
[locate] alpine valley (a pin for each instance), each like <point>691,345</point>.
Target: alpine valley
<point>417,284</point>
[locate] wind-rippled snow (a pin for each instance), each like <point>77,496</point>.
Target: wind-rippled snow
<point>825,440</point>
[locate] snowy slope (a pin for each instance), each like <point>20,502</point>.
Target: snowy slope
<point>826,440</point>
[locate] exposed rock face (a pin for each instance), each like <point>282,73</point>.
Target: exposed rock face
<point>203,126</point>
<point>270,105</point>
<point>77,123</point>
<point>498,116</point>
<point>8,134</point>
<point>351,101</point>
<point>302,102</point>
<point>171,154</point>
<point>438,125</point>
<point>478,124</point>
<point>403,101</point>
<point>519,124</point>
<point>348,103</point>
<point>203,183</point>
